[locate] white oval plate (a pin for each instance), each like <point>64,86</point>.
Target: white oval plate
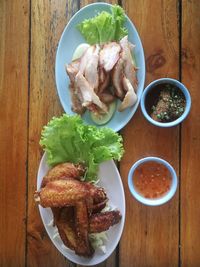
<point>111,181</point>
<point>70,39</point>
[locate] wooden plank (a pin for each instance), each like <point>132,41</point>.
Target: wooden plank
<point>151,234</point>
<point>190,198</point>
<point>48,19</point>
<point>14,32</point>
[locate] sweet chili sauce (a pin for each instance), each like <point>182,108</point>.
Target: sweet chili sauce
<point>152,179</point>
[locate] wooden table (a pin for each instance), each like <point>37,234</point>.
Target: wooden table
<point>29,33</point>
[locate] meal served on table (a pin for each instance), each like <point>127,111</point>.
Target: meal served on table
<point>74,151</point>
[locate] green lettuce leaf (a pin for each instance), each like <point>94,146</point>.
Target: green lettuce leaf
<point>104,27</point>
<point>68,139</point>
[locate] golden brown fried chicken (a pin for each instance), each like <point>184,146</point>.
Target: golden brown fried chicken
<point>64,219</point>
<point>82,229</point>
<point>72,202</point>
<point>60,193</point>
<point>64,171</point>
<point>102,221</point>
<point>72,224</point>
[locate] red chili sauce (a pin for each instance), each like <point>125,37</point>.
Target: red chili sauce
<point>152,179</point>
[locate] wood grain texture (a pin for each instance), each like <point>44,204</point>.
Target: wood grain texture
<point>48,19</point>
<point>190,182</point>
<point>14,29</point>
<point>151,234</point>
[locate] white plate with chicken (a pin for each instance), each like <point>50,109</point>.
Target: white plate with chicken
<point>100,73</point>
<point>84,221</point>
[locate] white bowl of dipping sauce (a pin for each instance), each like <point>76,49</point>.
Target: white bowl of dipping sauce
<point>152,181</point>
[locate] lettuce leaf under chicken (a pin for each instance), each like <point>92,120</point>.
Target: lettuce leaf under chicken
<point>68,139</point>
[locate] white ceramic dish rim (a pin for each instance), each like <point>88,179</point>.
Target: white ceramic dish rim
<point>158,201</point>
<point>178,84</point>
<point>118,126</point>
<point>84,261</point>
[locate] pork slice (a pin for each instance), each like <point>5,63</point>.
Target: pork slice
<point>88,94</point>
<point>85,58</point>
<point>130,97</point>
<point>76,99</point>
<point>129,67</point>
<point>91,69</point>
<point>72,69</point>
<point>117,74</point>
<point>106,97</point>
<point>109,55</point>
<point>104,80</point>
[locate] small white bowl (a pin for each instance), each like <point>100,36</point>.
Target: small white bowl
<point>178,85</point>
<point>157,201</point>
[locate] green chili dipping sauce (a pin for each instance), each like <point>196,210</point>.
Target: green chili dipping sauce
<point>165,103</point>
<point>152,179</point>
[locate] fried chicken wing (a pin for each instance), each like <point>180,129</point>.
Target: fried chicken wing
<point>82,228</point>
<point>76,206</point>
<point>97,193</point>
<point>64,171</point>
<point>65,192</point>
<point>61,193</point>
<point>103,221</point>
<point>64,220</point>
<point>74,225</point>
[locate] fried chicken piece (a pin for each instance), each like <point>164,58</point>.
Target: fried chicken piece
<point>109,55</point>
<point>82,228</point>
<point>103,221</point>
<point>61,193</point>
<point>65,192</point>
<point>97,193</point>
<point>95,208</point>
<point>64,171</point>
<point>64,220</point>
<point>74,225</point>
